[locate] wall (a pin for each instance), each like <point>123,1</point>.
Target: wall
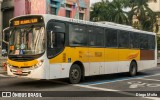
<point>0,28</point>
<point>75,4</point>
<point>23,7</point>
<point>8,13</point>
<point>38,6</point>
<point>19,7</point>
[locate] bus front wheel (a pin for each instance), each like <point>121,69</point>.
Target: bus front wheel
<point>133,69</point>
<point>75,74</point>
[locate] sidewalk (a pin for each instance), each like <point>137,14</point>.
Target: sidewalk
<point>2,71</point>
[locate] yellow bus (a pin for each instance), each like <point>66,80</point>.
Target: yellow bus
<point>52,47</point>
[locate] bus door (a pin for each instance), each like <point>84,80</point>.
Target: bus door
<point>55,47</point>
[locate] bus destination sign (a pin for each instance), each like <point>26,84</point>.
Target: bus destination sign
<point>25,20</point>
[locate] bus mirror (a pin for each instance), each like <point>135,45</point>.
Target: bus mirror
<point>5,36</point>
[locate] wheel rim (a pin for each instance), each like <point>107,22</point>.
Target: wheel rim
<point>75,74</point>
<point>133,70</point>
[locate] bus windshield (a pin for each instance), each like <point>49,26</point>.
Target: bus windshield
<point>27,40</point>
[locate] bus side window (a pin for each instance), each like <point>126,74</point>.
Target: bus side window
<point>151,42</point>
<point>123,39</point>
<point>78,36</point>
<point>143,41</point>
<point>111,38</point>
<point>134,40</point>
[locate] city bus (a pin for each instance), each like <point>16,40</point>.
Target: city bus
<point>53,47</point>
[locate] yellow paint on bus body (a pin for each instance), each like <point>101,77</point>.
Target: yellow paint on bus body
<point>72,54</point>
<point>23,64</point>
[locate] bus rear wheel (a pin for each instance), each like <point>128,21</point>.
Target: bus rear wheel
<point>133,69</point>
<point>75,74</point>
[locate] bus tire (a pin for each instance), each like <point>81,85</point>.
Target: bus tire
<point>133,68</point>
<point>75,74</point>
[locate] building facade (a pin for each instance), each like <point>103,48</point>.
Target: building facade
<point>0,27</point>
<point>78,9</point>
<point>7,10</point>
<point>154,5</point>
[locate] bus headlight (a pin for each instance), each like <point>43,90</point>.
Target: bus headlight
<point>40,63</point>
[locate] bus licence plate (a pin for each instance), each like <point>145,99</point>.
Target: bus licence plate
<point>19,72</point>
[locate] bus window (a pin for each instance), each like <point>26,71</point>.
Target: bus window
<point>96,36</point>
<point>111,38</point>
<point>55,38</point>
<point>134,40</point>
<point>123,39</point>
<point>151,42</point>
<point>77,35</point>
<point>143,41</point>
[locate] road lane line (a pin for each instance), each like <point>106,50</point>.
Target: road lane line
<point>149,79</point>
<point>1,75</point>
<point>116,91</point>
<point>118,80</point>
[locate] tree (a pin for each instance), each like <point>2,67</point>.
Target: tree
<point>118,13</point>
<point>114,12</point>
<point>144,14</point>
<point>110,11</point>
<point>99,11</point>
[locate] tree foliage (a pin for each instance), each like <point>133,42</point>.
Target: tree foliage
<point>146,17</point>
<point>109,11</point>
<point>114,12</point>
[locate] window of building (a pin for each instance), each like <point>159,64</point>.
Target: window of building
<point>111,37</point>
<point>81,9</point>
<point>53,10</point>
<point>81,15</point>
<point>68,13</point>
<point>68,6</point>
<point>96,36</point>
<point>78,35</point>
<point>53,2</point>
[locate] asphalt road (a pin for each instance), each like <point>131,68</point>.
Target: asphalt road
<point>144,86</point>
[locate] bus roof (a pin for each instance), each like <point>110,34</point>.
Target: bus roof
<point>105,24</point>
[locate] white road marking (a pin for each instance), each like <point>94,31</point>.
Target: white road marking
<point>116,91</point>
<point>138,84</point>
<point>149,79</point>
<point>124,79</point>
<point>1,75</point>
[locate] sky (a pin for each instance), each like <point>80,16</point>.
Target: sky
<point>93,1</point>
